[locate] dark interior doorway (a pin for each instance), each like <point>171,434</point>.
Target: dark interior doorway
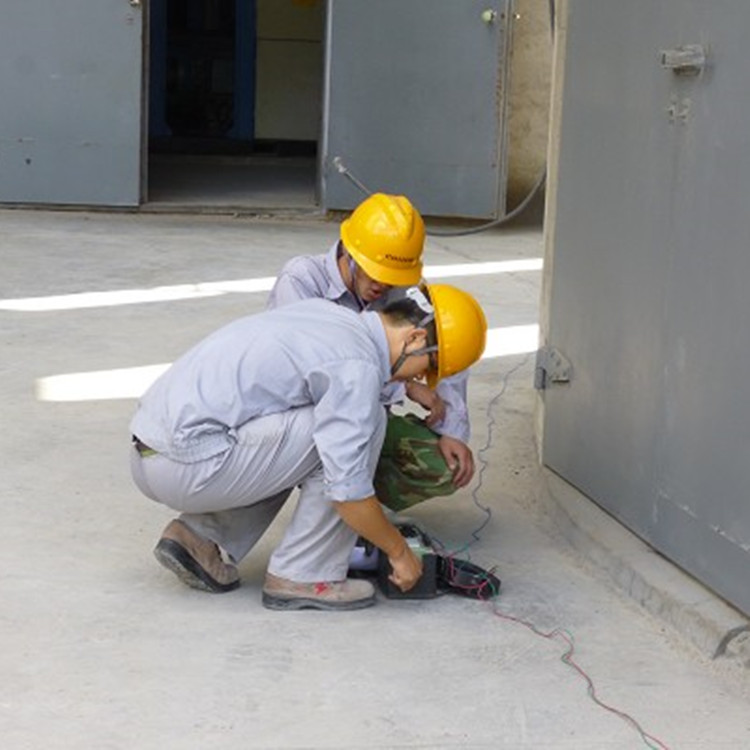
<point>204,72</point>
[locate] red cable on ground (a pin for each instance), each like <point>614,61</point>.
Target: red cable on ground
<point>567,658</point>
<point>488,593</point>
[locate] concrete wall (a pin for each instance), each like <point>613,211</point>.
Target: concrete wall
<point>289,73</point>
<point>530,81</point>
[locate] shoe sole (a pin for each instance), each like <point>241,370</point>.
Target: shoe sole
<point>176,558</point>
<point>283,604</point>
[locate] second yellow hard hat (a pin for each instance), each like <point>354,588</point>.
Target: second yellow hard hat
<point>461,328</point>
<point>385,237</point>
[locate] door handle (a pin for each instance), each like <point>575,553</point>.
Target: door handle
<point>687,60</point>
<point>489,16</point>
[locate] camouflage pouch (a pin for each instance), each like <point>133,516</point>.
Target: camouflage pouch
<point>411,468</point>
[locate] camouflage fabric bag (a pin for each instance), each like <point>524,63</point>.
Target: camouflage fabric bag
<point>411,468</point>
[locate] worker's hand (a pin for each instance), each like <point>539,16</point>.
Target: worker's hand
<point>459,458</point>
<point>428,399</point>
<point>407,568</point>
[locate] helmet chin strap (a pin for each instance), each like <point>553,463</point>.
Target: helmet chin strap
<point>423,323</point>
<point>352,268</point>
<point>404,355</point>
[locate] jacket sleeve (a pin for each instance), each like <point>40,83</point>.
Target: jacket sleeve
<point>347,413</point>
<point>294,283</point>
<point>453,391</point>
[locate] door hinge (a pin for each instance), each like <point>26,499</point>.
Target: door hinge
<point>551,367</point>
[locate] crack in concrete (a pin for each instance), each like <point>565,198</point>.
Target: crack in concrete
<point>729,636</point>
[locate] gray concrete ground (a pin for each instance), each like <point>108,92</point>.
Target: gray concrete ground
<point>102,648</point>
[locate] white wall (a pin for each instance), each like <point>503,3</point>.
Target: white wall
<point>289,73</point>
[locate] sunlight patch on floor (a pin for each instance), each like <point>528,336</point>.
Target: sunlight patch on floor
<point>83,300</point>
<point>131,382</point>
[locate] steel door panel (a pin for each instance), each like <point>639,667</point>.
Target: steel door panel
<point>648,300</point>
<point>70,123</point>
<point>415,102</point>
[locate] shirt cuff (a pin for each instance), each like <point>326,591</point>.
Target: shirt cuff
<point>356,487</point>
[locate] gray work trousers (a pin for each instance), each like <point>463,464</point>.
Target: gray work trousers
<point>232,498</point>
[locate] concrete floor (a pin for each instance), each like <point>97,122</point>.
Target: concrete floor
<point>102,648</point>
<point>229,183</point>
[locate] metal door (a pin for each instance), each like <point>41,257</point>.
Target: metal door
<point>414,103</point>
<point>70,120</point>
<point>649,299</point>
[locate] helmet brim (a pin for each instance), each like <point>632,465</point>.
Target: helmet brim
<point>389,276</point>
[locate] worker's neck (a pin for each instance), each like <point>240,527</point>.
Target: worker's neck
<point>396,336</point>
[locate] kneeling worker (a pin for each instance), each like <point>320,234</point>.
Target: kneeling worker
<point>380,247</point>
<point>291,397</point>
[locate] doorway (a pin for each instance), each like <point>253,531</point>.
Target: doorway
<point>235,102</point>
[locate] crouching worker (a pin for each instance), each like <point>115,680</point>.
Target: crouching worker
<point>283,399</point>
<point>380,247</point>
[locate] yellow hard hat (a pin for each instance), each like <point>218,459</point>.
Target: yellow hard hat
<point>385,237</point>
<point>461,330</point>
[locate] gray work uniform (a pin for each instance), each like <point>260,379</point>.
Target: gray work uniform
<point>285,398</point>
<point>310,276</point>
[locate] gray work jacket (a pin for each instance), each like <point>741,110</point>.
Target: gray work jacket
<point>308,276</point>
<point>312,353</point>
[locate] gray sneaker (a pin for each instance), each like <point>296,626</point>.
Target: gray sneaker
<point>279,593</point>
<point>194,560</point>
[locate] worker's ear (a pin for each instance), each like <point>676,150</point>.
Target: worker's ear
<point>417,336</point>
